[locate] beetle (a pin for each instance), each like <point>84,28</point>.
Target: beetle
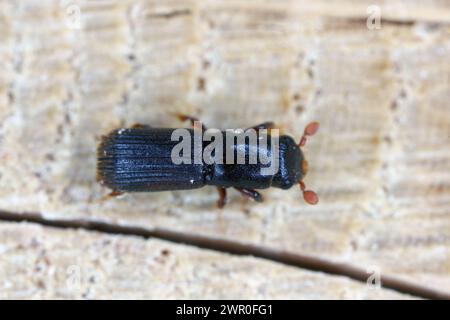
<point>138,159</point>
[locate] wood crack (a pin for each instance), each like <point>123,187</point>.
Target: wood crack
<point>232,247</point>
<point>170,14</point>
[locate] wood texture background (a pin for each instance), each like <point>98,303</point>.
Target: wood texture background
<point>381,162</point>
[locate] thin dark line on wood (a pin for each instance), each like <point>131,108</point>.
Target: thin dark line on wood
<point>232,247</point>
<point>387,21</point>
<point>171,14</point>
<point>393,21</point>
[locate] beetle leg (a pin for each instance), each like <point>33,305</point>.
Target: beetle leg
<point>255,195</point>
<point>264,125</point>
<point>112,194</point>
<point>193,120</point>
<point>115,193</point>
<point>222,197</point>
<point>140,126</point>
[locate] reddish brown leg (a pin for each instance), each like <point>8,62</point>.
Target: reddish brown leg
<point>222,197</point>
<point>140,126</point>
<point>184,117</point>
<point>255,195</point>
<point>112,194</point>
<point>115,193</point>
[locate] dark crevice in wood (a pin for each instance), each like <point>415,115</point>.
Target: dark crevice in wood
<point>232,247</point>
<point>387,21</point>
<point>171,14</point>
<point>361,22</point>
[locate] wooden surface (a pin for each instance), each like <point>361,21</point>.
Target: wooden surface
<point>40,262</point>
<point>380,164</point>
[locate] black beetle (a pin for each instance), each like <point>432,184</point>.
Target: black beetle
<point>138,159</point>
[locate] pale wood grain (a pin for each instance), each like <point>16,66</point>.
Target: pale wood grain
<point>41,262</point>
<point>380,162</point>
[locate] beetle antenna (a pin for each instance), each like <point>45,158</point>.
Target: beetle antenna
<point>309,196</point>
<point>310,130</point>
